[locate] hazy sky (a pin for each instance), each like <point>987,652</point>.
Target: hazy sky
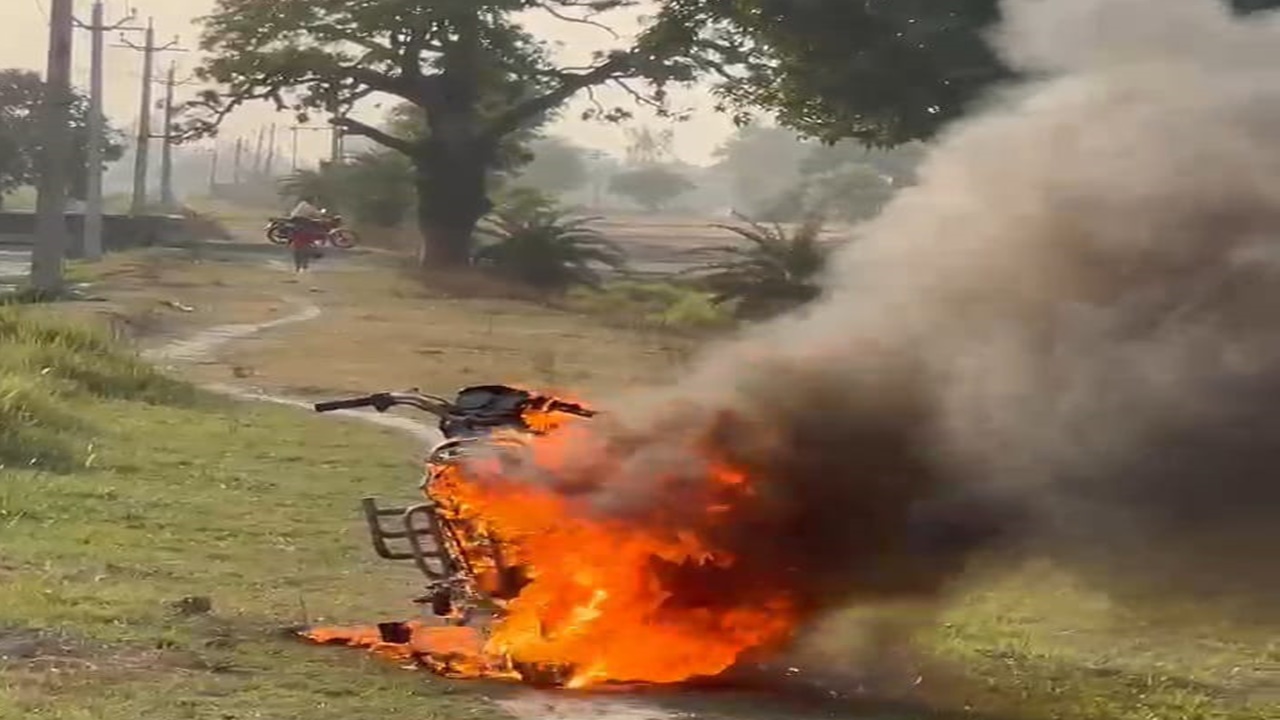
<point>26,37</point>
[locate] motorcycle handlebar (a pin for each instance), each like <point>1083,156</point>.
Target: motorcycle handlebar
<point>351,404</point>
<point>384,401</point>
<point>437,406</point>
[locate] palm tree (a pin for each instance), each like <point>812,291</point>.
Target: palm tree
<point>541,245</point>
<point>775,271</point>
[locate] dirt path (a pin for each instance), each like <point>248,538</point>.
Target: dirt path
<point>204,344</point>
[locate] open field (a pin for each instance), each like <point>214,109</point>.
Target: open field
<point>168,492</point>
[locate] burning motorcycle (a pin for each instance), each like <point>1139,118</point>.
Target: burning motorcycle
<point>470,575</point>
<point>280,229</point>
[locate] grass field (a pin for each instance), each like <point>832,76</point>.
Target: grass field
<point>153,556</point>
<point>1039,644</point>
<point>159,504</point>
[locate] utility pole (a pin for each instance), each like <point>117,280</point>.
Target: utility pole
<point>97,128</point>
<point>271,152</point>
<point>167,199</point>
<point>235,170</point>
<point>166,148</point>
<point>336,141</point>
<point>141,153</point>
<point>55,153</point>
<point>213,173</point>
<point>257,151</point>
<point>336,151</point>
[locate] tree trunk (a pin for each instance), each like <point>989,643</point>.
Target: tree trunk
<point>452,197</point>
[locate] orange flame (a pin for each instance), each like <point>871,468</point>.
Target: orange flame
<point>596,600</point>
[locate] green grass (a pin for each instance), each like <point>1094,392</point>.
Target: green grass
<point>144,493</point>
<point>1038,645</point>
<point>47,364</point>
<point>659,305</point>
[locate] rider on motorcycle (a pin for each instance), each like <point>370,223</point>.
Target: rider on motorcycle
<point>306,214</point>
<point>309,230</point>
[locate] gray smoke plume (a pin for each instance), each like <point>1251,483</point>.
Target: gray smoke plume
<point>1065,340</point>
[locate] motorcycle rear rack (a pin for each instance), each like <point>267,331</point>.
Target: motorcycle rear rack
<point>418,529</point>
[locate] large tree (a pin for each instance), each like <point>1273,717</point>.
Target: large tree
<point>474,75</point>
<point>21,95</point>
<point>881,71</point>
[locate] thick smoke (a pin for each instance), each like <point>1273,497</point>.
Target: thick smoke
<point>1065,340</point>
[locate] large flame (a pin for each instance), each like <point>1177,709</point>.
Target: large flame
<point>607,598</point>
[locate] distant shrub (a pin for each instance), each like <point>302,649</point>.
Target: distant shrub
<point>663,305</point>
<point>544,246</point>
<point>773,271</point>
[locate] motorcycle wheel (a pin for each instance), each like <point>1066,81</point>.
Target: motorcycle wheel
<point>342,238</point>
<point>277,234</point>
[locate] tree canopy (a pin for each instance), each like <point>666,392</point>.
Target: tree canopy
<point>883,72</point>
<point>21,95</point>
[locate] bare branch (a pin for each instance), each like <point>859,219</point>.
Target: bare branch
<point>579,20</point>
<point>619,65</point>
<point>591,97</point>
<point>639,96</point>
<point>355,127</point>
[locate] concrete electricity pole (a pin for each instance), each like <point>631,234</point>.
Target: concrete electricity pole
<point>97,128</point>
<point>166,147</point>
<point>257,151</point>
<point>141,152</point>
<point>213,173</point>
<point>167,199</point>
<point>55,153</point>
<point>270,170</point>
<point>337,142</point>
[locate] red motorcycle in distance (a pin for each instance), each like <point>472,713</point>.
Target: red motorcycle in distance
<point>280,229</point>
